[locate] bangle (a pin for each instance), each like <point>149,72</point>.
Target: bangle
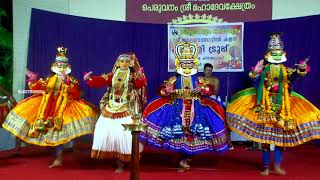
<point>253,75</point>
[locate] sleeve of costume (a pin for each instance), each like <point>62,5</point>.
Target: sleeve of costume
<point>207,90</point>
<point>162,90</point>
<point>204,87</point>
<point>295,74</point>
<point>100,81</point>
<point>38,85</point>
<point>139,81</point>
<point>74,91</point>
<point>255,78</point>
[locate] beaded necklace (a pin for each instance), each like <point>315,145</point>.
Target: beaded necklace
<point>119,90</point>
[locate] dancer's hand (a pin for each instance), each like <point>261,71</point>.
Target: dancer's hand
<point>63,76</point>
<point>140,72</point>
<point>303,64</point>
<point>198,88</point>
<point>259,67</point>
<point>87,76</point>
<point>170,89</point>
<point>33,77</point>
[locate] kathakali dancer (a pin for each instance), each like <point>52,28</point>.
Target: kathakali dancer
<point>184,119</point>
<point>270,113</point>
<point>54,115</point>
<point>126,87</point>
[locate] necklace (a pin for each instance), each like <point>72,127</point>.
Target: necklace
<point>120,78</point>
<point>119,90</point>
<point>274,74</point>
<point>186,82</point>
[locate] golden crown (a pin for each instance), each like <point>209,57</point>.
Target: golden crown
<point>186,51</point>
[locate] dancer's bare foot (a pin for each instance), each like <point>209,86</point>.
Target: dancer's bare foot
<point>119,170</point>
<point>120,167</point>
<point>182,170</point>
<point>279,170</point>
<point>184,165</point>
<point>56,163</point>
<point>265,172</point>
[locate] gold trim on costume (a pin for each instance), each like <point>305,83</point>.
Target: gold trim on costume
<point>302,73</point>
<point>252,75</point>
<point>248,133</point>
<point>185,94</point>
<point>170,81</point>
<point>114,115</point>
<point>110,155</point>
<point>20,128</point>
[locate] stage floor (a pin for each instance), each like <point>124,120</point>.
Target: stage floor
<point>301,163</point>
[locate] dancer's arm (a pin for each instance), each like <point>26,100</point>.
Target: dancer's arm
<point>74,91</point>
<point>139,80</point>
<point>98,81</point>
<point>168,87</point>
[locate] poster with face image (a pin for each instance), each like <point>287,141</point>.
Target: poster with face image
<point>219,44</point>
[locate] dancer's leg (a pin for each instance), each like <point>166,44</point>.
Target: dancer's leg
<point>266,159</point>
<point>278,151</point>
<point>58,153</point>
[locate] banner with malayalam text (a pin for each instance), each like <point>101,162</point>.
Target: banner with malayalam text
<point>198,11</point>
<point>219,44</point>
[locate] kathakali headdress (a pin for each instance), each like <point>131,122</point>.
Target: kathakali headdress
<point>186,58</point>
<point>275,53</point>
<point>131,58</point>
<point>61,62</point>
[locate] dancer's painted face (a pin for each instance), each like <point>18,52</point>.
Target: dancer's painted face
<point>124,64</point>
<point>187,69</point>
<point>60,68</point>
<point>276,56</point>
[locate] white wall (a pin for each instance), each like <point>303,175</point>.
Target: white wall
<point>21,24</point>
<point>101,9</point>
<point>294,8</point>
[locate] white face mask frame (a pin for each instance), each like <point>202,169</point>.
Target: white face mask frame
<point>56,69</point>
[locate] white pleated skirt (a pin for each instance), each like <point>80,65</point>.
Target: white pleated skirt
<point>111,141</point>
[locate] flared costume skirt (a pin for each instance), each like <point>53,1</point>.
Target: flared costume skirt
<point>78,119</point>
<point>242,118</point>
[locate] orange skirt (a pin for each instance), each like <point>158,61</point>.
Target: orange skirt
<point>79,118</point>
<point>243,119</point>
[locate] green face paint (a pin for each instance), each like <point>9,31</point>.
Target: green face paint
<point>277,55</point>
